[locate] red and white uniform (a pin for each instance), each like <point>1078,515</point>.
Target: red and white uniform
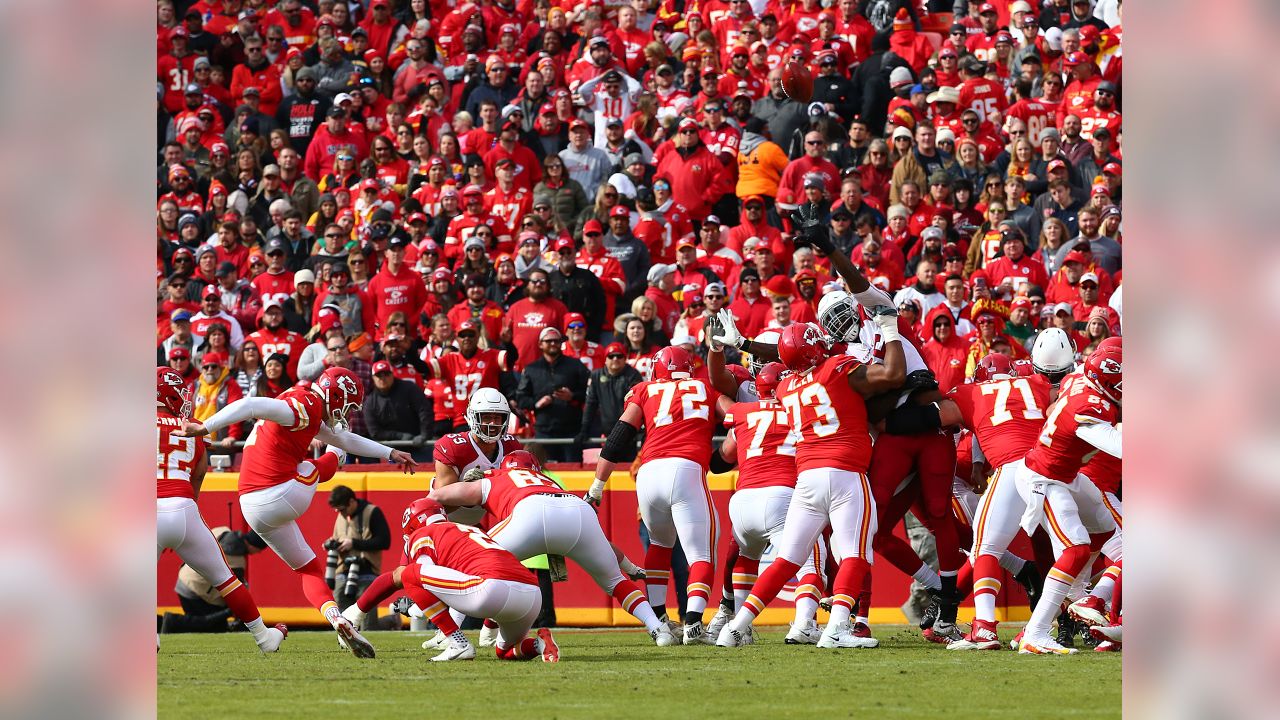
<point>470,573</point>
<point>1092,118</point>
<point>671,487</point>
<point>509,207</point>
<point>274,286</point>
<point>1036,115</point>
<point>591,356</point>
<point>466,375</point>
<point>1104,471</point>
<point>283,341</point>
<point>460,452</point>
<point>179,526</point>
<point>986,97</point>
<point>828,423</point>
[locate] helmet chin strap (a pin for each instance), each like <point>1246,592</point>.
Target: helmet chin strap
<point>680,375</point>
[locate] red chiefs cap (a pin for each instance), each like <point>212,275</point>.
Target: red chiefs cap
<point>382,366</point>
<point>441,273</point>
<point>592,226</point>
<point>614,348</point>
<point>528,236</point>
<point>415,217</point>
<point>1088,34</point>
<point>687,123</point>
<point>780,285</point>
<point>1076,58</point>
<point>1004,37</point>
<point>986,8</point>
<point>213,358</point>
<point>619,211</point>
<point>368,184</point>
<point>1056,165</point>
<point>563,243</point>
<point>572,318</point>
<point>740,50</point>
<point>472,189</point>
<point>692,297</point>
<point>1021,303</point>
<point>1074,256</point>
<point>1100,188</point>
<point>1111,169</point>
<point>185,354</point>
<point>579,124</point>
<point>211,291</point>
<point>687,241</point>
<point>547,109</point>
<point>466,326</point>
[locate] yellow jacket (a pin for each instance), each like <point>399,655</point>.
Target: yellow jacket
<point>760,166</point>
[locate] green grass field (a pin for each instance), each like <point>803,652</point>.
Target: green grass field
<point>619,674</point>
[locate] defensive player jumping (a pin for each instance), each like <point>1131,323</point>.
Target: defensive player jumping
<point>180,466</point>
<point>535,516</point>
<point>277,482</point>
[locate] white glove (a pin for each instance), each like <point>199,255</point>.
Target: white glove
<point>729,334</point>
<point>596,492</point>
<point>888,324</point>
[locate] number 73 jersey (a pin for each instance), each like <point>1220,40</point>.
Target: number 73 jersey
<point>828,418</point>
<point>678,419</point>
<point>1006,415</point>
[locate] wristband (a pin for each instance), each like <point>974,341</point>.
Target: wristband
<point>891,333</point>
<point>597,488</point>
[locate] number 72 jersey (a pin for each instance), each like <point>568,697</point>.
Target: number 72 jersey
<point>678,419</point>
<point>1006,415</point>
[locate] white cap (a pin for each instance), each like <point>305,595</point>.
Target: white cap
<point>659,271</point>
<point>304,276</point>
<point>341,98</point>
<point>900,76</point>
<point>944,134</point>
<point>901,132</point>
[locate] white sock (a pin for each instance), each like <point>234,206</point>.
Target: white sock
<point>984,605</point>
<point>862,619</point>
<point>742,620</point>
<point>258,628</point>
<point>644,613</point>
<point>740,596</point>
<point>839,614</point>
<point>806,610</point>
<point>1105,588</point>
<point>628,568</point>
<point>928,577</point>
<point>696,605</point>
<point>1012,563</point>
<point>415,611</point>
<point>1055,591</point>
<point>458,617</point>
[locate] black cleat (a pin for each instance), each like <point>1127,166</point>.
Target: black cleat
<point>1067,629</point>
<point>1032,583</point>
<point>932,610</point>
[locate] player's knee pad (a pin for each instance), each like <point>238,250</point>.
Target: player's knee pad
<point>1074,558</point>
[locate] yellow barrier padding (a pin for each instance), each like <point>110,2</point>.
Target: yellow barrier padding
<point>572,480</point>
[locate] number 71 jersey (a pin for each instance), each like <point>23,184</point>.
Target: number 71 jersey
<point>677,419</point>
<point>1006,415</point>
<point>828,418</point>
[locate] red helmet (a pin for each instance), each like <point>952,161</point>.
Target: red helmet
<point>739,373</point>
<point>767,379</point>
<point>342,392</point>
<point>420,512</point>
<point>1111,342</point>
<point>802,346</point>
<point>1102,370</point>
<point>1023,368</point>
<point>521,460</point>
<point>172,394</point>
<point>994,366</point>
<point>672,361</point>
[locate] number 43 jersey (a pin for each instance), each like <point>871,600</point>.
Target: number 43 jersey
<point>828,418</point>
<point>678,419</point>
<point>1006,415</point>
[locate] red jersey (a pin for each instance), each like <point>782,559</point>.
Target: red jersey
<point>678,419</point>
<point>460,452</point>
<point>1103,468</point>
<point>274,286</point>
<point>1092,118</point>
<point>501,490</point>
<point>591,356</point>
<point>1059,453</point>
<point>1036,115</point>
<point>466,375</point>
<point>283,341</point>
<point>440,393</point>
<point>467,550</point>
<point>403,292</point>
<point>766,453</point>
<point>462,227</point>
<point>272,451</point>
<point>612,280</point>
<point>828,418</point>
<point>509,207</point>
<point>984,96</point>
<point>176,457</point>
<point>527,319</point>
<point>1006,415</point>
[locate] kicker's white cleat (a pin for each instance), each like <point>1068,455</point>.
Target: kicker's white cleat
<point>1043,646</point>
<point>275,636</point>
<point>439,641</point>
<point>804,634</point>
<point>841,635</point>
<point>355,642</point>
<point>488,636</point>
<point>456,651</point>
<point>663,637</point>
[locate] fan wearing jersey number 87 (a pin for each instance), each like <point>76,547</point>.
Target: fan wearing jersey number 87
<point>680,414</point>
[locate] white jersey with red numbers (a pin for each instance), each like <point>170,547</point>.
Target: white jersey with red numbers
<point>467,550</point>
<point>466,375</point>
<point>1059,453</point>
<point>272,451</point>
<point>176,458</point>
<point>766,452</point>
<point>828,418</point>
<point>679,419</point>
<point>502,489</point>
<point>1006,415</point>
<point>460,452</point>
<point>509,207</point>
<point>1092,118</point>
<point>870,345</point>
<point>723,140</point>
<point>1036,115</point>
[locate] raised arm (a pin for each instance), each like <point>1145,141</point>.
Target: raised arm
<point>869,380</point>
<point>723,329</point>
<point>810,230</point>
<point>355,444</point>
<point>240,411</point>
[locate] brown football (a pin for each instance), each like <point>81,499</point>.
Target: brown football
<point>797,81</point>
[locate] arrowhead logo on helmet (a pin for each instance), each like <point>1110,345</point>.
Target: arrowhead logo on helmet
<point>802,346</point>
<point>672,362</point>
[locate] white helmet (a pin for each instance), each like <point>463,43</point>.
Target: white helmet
<point>755,363</point>
<point>838,315</point>
<point>1053,354</point>
<point>487,401</point>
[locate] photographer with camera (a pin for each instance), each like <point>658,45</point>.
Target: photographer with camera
<point>360,535</point>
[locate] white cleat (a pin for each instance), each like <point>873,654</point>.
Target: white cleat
<point>840,635</point>
<point>695,634</point>
<point>732,638</point>
<point>275,636</point>
<point>1043,646</point>
<point>353,614</point>
<point>488,636</point>
<point>456,651</point>
<point>804,634</point>
<point>1090,610</point>
<point>355,642</point>
<point>663,637</point>
<point>718,621</point>
<point>439,641</point>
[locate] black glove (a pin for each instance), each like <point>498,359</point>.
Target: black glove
<point>810,230</point>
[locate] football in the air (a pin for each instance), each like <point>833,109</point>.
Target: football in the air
<point>797,81</point>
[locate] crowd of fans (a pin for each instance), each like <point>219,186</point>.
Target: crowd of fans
<point>537,195</point>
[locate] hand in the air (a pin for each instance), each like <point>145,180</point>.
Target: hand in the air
<point>728,333</point>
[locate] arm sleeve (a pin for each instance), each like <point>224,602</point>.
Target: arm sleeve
<point>381,539</point>
<point>353,443</point>
<point>1102,435</point>
<point>978,455</point>
<point>251,409</point>
<point>872,297</point>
